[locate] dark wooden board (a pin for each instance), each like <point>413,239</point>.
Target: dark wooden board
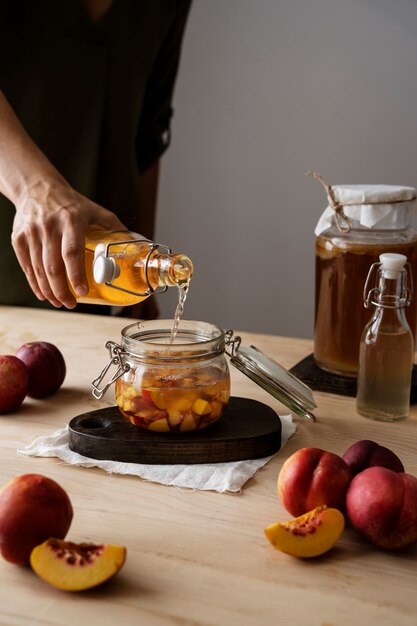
<point>248,429</point>
<point>320,380</point>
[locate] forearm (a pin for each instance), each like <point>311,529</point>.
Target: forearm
<point>51,217</point>
<point>23,166</point>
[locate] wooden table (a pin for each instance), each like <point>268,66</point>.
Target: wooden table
<point>195,558</point>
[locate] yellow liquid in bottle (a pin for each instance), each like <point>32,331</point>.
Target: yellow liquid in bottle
<point>134,274</point>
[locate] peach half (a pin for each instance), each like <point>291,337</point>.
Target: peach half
<point>76,566</point>
<point>308,535</point>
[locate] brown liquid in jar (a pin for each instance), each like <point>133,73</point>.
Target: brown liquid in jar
<point>340,315</point>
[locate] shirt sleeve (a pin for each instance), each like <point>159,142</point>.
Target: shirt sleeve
<point>154,132</point>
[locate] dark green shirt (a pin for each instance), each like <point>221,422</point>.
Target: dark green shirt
<point>95,97</point>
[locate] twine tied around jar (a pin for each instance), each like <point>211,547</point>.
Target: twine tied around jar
<point>342,221</point>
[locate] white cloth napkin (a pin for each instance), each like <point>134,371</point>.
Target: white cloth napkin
<point>221,477</point>
<point>368,205</point>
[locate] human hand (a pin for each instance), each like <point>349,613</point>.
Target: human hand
<point>48,238</point>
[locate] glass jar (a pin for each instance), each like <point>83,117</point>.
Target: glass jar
<point>358,231</point>
<point>166,386</point>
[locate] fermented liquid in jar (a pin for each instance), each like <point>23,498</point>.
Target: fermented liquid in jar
<point>387,346</point>
<point>124,268</point>
<point>368,221</point>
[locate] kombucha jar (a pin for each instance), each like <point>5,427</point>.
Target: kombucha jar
<point>169,386</point>
<point>360,223</point>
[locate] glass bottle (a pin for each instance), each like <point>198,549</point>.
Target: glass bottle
<point>360,223</point>
<point>124,268</point>
<point>387,346</point>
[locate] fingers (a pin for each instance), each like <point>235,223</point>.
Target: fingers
<point>23,256</point>
<point>43,266</point>
<point>72,250</point>
<point>49,240</point>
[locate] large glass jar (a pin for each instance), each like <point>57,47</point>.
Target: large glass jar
<point>345,250</point>
<point>166,386</point>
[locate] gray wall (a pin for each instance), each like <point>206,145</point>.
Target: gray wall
<point>267,90</point>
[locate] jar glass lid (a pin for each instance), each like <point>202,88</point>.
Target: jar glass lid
<point>274,378</point>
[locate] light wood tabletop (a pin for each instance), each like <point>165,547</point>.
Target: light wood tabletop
<point>195,558</point>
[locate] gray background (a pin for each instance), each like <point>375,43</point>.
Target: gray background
<point>267,90</point>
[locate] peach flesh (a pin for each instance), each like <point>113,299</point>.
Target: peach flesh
<point>308,535</point>
<point>75,567</point>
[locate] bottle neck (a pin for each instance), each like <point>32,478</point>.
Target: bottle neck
<point>392,292</point>
<point>174,269</point>
<point>391,302</point>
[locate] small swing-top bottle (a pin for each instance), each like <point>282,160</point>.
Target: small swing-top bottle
<point>387,347</point>
<point>124,268</point>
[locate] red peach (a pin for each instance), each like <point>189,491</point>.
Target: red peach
<point>14,381</point>
<point>366,453</point>
<point>32,509</point>
<point>382,507</point>
<point>312,477</point>
<point>46,367</point>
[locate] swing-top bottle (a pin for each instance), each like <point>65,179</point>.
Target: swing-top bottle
<point>387,347</point>
<point>124,268</point>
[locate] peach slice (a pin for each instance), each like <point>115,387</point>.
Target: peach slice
<point>308,535</point>
<point>76,566</point>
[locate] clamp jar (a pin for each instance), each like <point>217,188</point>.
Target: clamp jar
<point>165,386</point>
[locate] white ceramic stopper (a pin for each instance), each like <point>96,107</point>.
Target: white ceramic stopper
<point>105,269</point>
<point>392,264</point>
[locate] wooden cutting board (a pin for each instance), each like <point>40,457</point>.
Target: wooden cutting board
<point>248,429</point>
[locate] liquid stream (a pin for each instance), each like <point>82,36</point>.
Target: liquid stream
<point>179,311</point>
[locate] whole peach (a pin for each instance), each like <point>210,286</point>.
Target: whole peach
<point>14,381</point>
<point>32,509</point>
<point>311,477</point>
<point>382,507</point>
<point>366,453</point>
<point>46,367</point>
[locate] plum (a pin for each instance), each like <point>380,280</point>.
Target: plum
<point>46,367</point>
<point>366,453</point>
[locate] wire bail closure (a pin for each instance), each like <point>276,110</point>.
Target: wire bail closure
<point>116,358</point>
<point>153,247</point>
<point>372,296</point>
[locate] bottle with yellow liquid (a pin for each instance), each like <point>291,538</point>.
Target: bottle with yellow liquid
<point>124,268</point>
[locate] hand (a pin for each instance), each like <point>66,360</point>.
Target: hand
<point>48,238</point>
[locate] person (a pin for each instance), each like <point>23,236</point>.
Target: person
<point>86,90</point>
